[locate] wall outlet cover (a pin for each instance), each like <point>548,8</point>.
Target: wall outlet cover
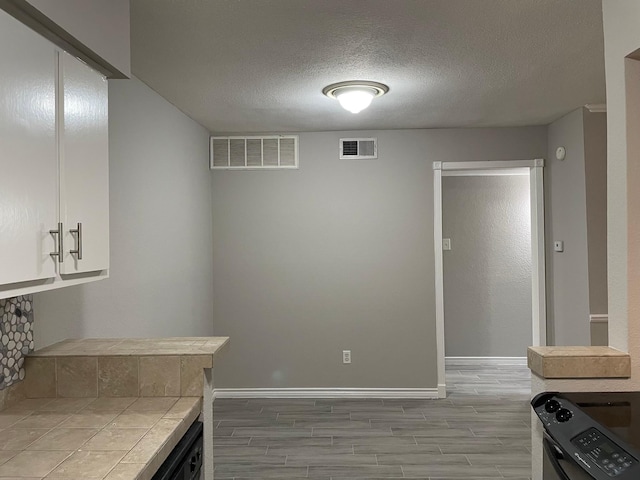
<point>346,356</point>
<point>446,244</point>
<point>558,246</point>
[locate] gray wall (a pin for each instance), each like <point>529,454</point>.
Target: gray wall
<point>595,162</point>
<point>576,212</point>
<point>621,36</point>
<point>338,255</point>
<point>487,273</point>
<point>161,230</point>
<point>600,334</point>
<point>101,25</point>
<point>566,220</point>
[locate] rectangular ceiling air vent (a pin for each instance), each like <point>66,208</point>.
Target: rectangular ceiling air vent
<point>245,153</point>
<point>358,148</point>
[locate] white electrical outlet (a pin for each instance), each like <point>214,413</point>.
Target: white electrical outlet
<point>346,356</point>
<point>446,244</point>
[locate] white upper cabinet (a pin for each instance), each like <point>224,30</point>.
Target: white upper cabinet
<point>54,166</point>
<point>84,167</point>
<point>28,163</point>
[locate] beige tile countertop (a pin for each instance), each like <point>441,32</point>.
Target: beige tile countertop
<point>121,367</point>
<point>133,346</point>
<point>122,438</point>
<point>107,408</point>
<point>579,362</point>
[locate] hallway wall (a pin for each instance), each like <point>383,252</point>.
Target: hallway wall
<point>487,272</point>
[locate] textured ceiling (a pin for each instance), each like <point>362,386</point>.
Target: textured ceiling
<point>260,65</point>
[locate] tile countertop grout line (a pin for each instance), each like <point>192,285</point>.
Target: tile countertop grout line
<point>180,414</point>
<point>192,415</point>
<point>137,373</point>
<point>139,474</point>
<point>97,376</point>
<point>49,430</point>
<point>60,463</point>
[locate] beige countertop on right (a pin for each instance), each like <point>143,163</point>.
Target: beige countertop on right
<point>578,362</point>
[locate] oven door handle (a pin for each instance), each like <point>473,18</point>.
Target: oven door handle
<point>555,454</point>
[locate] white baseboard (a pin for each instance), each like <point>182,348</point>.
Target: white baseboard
<point>485,361</point>
<point>427,393</point>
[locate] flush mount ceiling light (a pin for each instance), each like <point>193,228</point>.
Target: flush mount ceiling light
<point>356,95</point>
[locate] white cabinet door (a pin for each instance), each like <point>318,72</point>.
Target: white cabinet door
<point>84,167</point>
<point>28,163</point>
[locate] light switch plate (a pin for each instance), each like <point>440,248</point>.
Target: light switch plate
<point>446,244</point>
<point>558,246</point>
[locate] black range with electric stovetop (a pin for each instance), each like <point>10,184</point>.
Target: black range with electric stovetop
<point>590,435</point>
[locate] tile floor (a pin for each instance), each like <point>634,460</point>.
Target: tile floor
<point>481,431</point>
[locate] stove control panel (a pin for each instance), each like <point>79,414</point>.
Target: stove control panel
<point>554,411</point>
<point>606,454</point>
<point>583,441</point>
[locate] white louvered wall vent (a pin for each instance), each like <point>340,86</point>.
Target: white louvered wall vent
<point>243,153</point>
<point>358,148</point>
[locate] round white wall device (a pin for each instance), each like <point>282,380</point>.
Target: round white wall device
<point>561,153</point>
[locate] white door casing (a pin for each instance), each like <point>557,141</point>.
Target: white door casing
<point>539,321</point>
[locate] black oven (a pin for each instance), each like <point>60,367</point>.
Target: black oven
<point>590,435</point>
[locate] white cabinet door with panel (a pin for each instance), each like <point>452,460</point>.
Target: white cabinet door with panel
<point>84,167</point>
<point>28,163</point>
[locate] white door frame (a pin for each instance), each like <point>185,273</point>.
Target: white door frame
<point>539,313</point>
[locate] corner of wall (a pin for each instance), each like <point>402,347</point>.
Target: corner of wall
<point>566,220</point>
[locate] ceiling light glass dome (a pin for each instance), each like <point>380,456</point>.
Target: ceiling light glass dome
<point>355,96</point>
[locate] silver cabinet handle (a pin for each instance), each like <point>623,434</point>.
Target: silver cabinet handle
<point>78,232</point>
<point>60,252</point>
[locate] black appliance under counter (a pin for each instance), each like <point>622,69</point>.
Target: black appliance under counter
<point>185,461</point>
<point>590,435</point>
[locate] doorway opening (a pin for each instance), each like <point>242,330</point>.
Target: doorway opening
<point>533,170</point>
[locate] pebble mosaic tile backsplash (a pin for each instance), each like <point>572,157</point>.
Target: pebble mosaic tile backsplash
<point>16,341</point>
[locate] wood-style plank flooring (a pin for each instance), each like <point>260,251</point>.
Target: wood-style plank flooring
<point>480,431</point>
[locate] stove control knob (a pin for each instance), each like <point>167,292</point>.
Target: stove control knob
<point>563,415</point>
<point>552,406</point>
